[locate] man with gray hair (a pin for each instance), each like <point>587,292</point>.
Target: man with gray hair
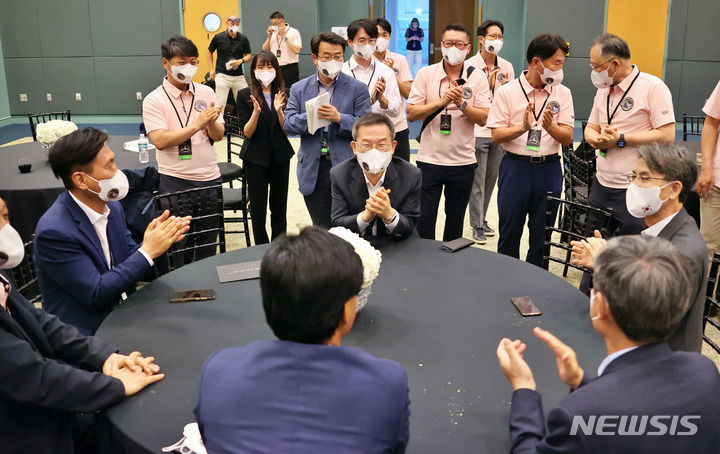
<point>646,398</point>
<point>375,194</point>
<point>659,185</point>
<point>631,108</point>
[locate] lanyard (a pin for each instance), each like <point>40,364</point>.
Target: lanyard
<point>440,84</point>
<point>537,117</point>
<point>187,120</point>
<point>371,75</point>
<point>610,117</point>
<point>487,73</point>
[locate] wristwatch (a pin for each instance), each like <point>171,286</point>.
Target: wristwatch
<point>462,106</point>
<point>621,141</point>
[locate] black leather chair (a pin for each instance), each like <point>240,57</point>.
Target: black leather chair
<point>35,119</point>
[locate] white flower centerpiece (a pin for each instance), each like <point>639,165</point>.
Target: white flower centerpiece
<point>370,257</point>
<point>48,133</point>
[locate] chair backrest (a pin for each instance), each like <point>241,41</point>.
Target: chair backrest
<point>712,305</point>
<point>23,275</point>
<point>34,119</point>
<point>580,221</point>
<point>235,137</point>
<point>582,172</point>
<point>205,203</point>
<point>692,125</point>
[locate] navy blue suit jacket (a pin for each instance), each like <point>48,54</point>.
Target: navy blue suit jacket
<point>649,381</point>
<point>351,98</point>
<point>48,371</point>
<point>75,280</point>
<point>349,193</point>
<point>282,397</point>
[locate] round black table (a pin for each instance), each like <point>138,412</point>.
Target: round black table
<point>440,315</point>
<point>29,195</point>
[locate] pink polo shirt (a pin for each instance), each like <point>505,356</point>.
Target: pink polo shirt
<point>648,105</point>
<point>508,109</point>
<point>457,148</point>
<point>712,109</point>
<point>286,55</point>
<point>403,75</point>
<point>158,113</point>
<point>506,68</point>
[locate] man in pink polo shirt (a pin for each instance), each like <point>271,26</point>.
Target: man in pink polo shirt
<point>181,118</point>
<point>285,43</point>
<point>630,109</point>
<point>531,117</point>
<point>398,63</point>
<point>709,180</point>
<point>450,102</point>
<point>488,154</point>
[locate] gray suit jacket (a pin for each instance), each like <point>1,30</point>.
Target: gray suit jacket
<point>683,233</point>
<point>349,192</point>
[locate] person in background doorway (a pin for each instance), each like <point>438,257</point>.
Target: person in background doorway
<point>414,36</point>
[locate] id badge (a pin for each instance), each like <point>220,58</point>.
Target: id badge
<point>324,143</point>
<point>533,140</point>
<point>185,150</point>
<point>277,54</point>
<point>445,124</point>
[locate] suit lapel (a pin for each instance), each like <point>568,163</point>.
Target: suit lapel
<point>83,224</point>
<point>674,225</point>
<point>358,187</point>
<point>391,182</point>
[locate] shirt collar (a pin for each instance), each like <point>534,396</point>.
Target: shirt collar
<point>327,87</point>
<point>529,88</point>
<point>657,228</point>
<point>92,215</point>
<point>174,91</point>
<point>628,80</point>
<point>610,358</point>
<point>380,182</point>
<point>352,64</point>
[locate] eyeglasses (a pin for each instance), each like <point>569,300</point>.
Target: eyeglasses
<point>494,37</point>
<point>234,21</point>
<point>644,178</point>
<point>338,57</point>
<point>460,45</point>
<point>367,146</point>
<point>601,64</point>
<point>363,41</point>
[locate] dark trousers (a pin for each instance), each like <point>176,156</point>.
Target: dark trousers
<point>172,184</point>
<point>259,179</point>
<point>290,74</point>
<point>402,150</point>
<point>457,182</point>
<point>522,194</point>
<point>319,203</point>
<point>623,223</point>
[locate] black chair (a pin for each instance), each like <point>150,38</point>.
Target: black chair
<point>23,276</point>
<point>204,203</point>
<point>231,171</point>
<point>692,125</point>
<point>36,119</point>
<point>236,199</point>
<point>711,304</point>
<point>582,172</point>
<point>582,221</point>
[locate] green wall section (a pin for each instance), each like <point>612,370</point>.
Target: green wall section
<point>4,101</point>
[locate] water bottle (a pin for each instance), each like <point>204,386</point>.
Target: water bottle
<point>143,149</point>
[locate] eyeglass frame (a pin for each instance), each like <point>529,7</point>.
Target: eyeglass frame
<point>600,65</point>
<point>234,21</point>
<point>452,44</point>
<point>644,178</point>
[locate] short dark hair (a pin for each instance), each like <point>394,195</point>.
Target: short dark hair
<point>544,46</point>
<point>305,281</point>
<point>646,283</point>
<point>277,85</point>
<point>483,28</point>
<point>370,119</point>
<point>277,15</point>
<point>365,24</point>
<point>74,152</point>
<point>384,24</point>
<point>611,44</point>
<point>458,27</point>
<point>673,162</point>
<point>327,37</point>
<point>178,46</point>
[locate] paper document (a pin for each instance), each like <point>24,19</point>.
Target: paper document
<point>239,271</point>
<point>311,108</point>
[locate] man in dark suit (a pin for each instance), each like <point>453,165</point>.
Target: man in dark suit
<point>646,398</point>
<point>328,146</point>
<point>304,392</point>
<point>375,194</point>
<point>50,371</point>
<point>660,184</point>
<point>85,259</point>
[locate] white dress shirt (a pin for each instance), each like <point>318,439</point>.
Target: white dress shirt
<point>657,228</point>
<point>610,358</point>
<point>369,77</point>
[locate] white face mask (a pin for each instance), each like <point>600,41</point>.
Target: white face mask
<point>382,44</point>
<point>265,77</point>
<point>493,45</point>
<point>330,68</point>
<point>275,28</point>
<point>453,56</point>
<point>642,202</point>
<point>115,188</point>
<point>374,161</point>
<point>550,77</point>
<point>365,51</point>
<point>234,28</point>
<point>601,79</point>
<point>12,249</point>
<point>184,73</point>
